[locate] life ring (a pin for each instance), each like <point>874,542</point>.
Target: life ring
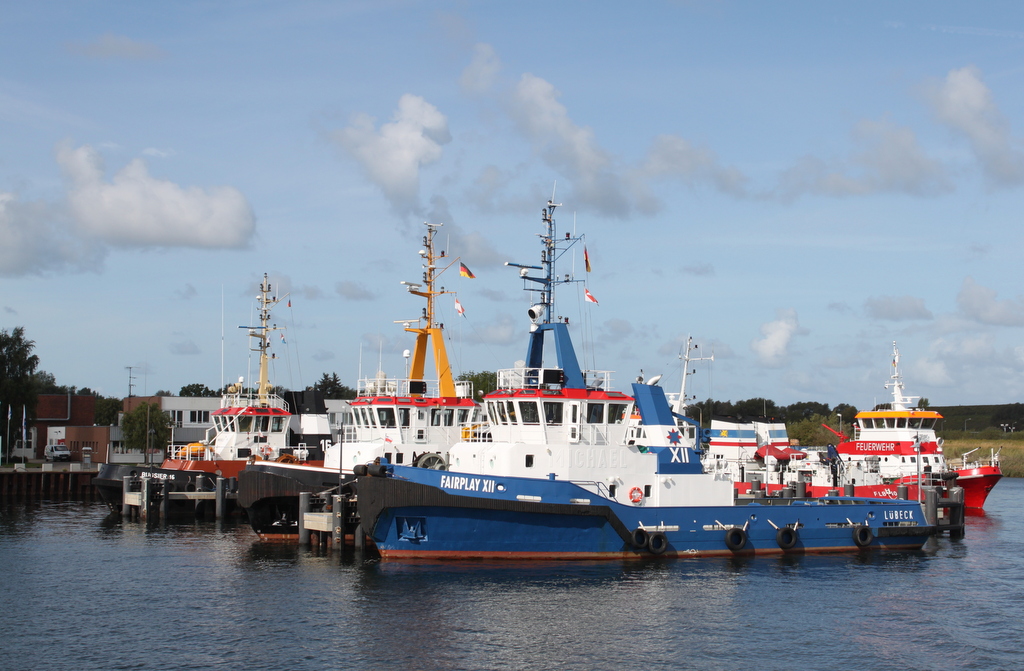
<point>636,495</point>
<point>787,537</point>
<point>863,535</point>
<point>641,538</point>
<point>735,539</point>
<point>266,451</point>
<point>657,543</point>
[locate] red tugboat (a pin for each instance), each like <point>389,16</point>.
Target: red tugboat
<point>890,447</point>
<point>902,440</point>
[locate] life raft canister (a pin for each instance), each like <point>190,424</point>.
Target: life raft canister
<point>636,495</point>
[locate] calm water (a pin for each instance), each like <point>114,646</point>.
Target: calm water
<point>78,594</point>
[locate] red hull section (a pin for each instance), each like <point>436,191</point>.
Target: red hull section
<point>977,483</point>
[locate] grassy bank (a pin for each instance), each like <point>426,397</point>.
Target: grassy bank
<point>1011,456</point>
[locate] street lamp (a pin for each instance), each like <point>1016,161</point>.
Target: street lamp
<point>965,424</point>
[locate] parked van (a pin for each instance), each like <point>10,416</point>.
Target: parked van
<point>57,453</point>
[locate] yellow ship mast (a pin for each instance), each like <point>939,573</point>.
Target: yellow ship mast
<point>429,331</point>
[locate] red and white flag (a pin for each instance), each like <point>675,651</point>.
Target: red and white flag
<point>458,307</point>
<point>589,297</point>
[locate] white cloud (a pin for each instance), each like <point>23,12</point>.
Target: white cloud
<point>34,240</point>
<point>980,304</point>
<point>137,210</point>
<point>964,103</point>
<point>393,156</point>
<point>568,148</point>
<point>887,158</point>
<point>480,74</point>
<point>353,291</point>
<point>503,330</point>
<point>186,348</point>
<point>673,156</point>
<point>773,349</point>
<point>110,46</point>
<point>188,292</point>
<point>896,308</point>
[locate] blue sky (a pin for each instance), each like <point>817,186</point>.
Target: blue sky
<point>796,185</point>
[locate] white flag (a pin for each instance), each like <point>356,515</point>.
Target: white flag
<point>458,307</point>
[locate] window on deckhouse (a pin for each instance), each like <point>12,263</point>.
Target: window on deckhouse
<point>529,412</point>
<point>595,413</point>
<point>386,416</point>
<point>552,413</point>
<point>617,413</point>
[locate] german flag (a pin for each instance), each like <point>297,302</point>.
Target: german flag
<point>466,272</point>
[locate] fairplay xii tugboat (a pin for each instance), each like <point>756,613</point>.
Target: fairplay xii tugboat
<point>575,471</point>
<point>249,426</point>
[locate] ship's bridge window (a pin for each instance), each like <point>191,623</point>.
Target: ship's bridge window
<point>915,422</point>
<point>511,412</point>
<point>403,416</point>
<point>617,413</point>
<point>889,423</point>
<point>435,417</point>
<point>901,422</point>
<point>449,416</point>
<point>500,415</point>
<point>368,416</point>
<point>553,413</point>
<point>261,424</point>
<point>928,423</point>
<point>595,413</point>
<point>463,415</point>
<point>386,416</point>
<point>245,424</point>
<point>277,425</point>
<point>529,412</point>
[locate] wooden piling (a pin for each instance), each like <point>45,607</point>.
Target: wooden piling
<point>304,498</point>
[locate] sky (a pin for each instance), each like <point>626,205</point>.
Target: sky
<point>795,185</point>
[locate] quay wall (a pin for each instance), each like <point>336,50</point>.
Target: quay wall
<point>35,483</point>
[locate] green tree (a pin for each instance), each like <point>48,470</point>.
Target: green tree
<point>17,367</point>
<point>805,410</point>
<point>332,388</point>
<point>46,383</point>
<point>810,431</point>
<point>484,382</point>
<point>846,412</point>
<point>197,390</point>
<point>923,403</point>
<point>107,410</point>
<point>137,424</point>
<point>757,407</point>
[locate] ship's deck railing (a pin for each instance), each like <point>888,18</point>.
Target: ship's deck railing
<point>962,461</point>
<point>549,378</point>
<point>383,386</point>
<point>252,399</point>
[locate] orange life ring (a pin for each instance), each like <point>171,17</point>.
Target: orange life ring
<point>266,451</point>
<point>636,495</point>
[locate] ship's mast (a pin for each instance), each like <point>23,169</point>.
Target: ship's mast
<point>680,404</point>
<point>542,312</point>
<point>428,331</point>
<point>899,401</point>
<point>262,337</point>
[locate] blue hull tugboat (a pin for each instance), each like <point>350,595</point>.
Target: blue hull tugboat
<point>573,471</point>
